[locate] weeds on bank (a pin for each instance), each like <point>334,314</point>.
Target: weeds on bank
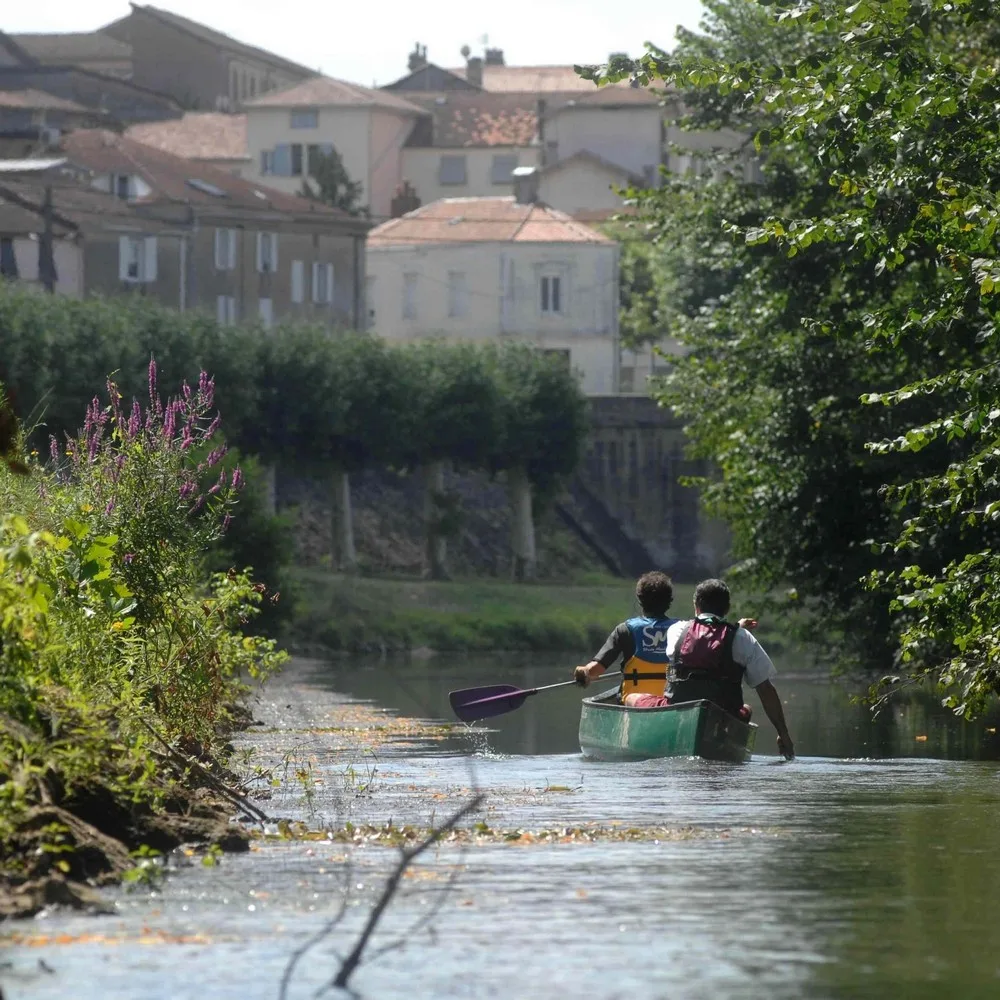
<point>120,654</point>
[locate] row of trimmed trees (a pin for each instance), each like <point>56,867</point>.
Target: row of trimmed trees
<point>317,402</point>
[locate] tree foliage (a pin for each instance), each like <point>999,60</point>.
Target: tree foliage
<point>844,373</point>
<point>330,183</point>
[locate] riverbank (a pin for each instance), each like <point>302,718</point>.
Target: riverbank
<point>345,614</point>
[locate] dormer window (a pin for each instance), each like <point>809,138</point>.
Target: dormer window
<point>122,186</point>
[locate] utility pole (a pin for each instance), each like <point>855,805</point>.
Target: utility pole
<point>46,250</point>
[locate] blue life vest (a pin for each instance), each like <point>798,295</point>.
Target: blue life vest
<point>645,672</point>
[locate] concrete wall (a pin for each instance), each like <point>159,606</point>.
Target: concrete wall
<point>420,168</point>
<point>628,137</point>
<point>586,329</point>
<point>581,185</point>
<point>634,458</point>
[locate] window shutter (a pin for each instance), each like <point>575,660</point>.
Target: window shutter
<point>273,237</point>
<point>298,280</point>
<point>149,259</point>
<point>603,291</point>
<point>220,248</point>
<point>220,310</point>
<point>315,281</point>
<point>123,251</point>
<point>260,251</point>
<point>283,160</point>
<point>329,283</point>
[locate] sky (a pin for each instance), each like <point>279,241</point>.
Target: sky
<point>368,42</point>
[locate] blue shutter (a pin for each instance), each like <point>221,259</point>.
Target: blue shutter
<point>326,148</point>
<point>283,160</point>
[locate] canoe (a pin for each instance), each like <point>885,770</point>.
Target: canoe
<point>611,731</point>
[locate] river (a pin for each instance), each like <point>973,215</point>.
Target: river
<point>868,867</point>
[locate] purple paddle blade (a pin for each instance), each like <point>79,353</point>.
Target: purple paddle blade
<point>473,704</point>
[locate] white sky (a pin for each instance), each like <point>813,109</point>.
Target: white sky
<point>368,42</point>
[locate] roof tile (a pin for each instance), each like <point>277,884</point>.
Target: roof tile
<point>479,119</point>
<point>199,135</point>
<point>324,91</point>
<point>483,220</point>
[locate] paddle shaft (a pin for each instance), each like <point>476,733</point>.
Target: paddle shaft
<point>526,692</point>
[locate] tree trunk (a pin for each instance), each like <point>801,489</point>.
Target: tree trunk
<point>345,556</point>
<point>522,525</point>
<point>436,539</point>
<point>269,487</point>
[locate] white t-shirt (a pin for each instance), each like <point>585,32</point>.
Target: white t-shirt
<point>747,652</point>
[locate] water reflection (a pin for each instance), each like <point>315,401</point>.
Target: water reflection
<point>823,720</point>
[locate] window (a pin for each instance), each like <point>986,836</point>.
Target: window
<point>305,118</point>
<point>225,249</point>
<point>409,296</point>
<point>559,355</point>
<point>504,165</point>
<point>322,283</point>
<point>297,162</point>
<point>452,170</point>
<point>225,310</point>
<point>121,186</point>
<point>267,253</point>
<point>253,86</point>
<point>265,310</point>
<point>458,294</point>
<point>8,258</point>
<point>267,163</point>
<point>551,294</point>
<point>370,299</point>
<point>137,258</point>
<point>298,281</point>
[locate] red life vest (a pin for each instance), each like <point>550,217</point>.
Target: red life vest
<point>703,668</point>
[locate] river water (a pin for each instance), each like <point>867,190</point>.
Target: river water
<point>869,867</point>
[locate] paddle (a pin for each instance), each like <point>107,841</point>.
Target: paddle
<point>473,704</point>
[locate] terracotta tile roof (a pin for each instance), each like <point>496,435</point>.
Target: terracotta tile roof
<point>597,216</point>
<point>39,100</point>
<point>68,48</point>
<point>483,220</point>
<point>324,91</point>
<point>217,38</point>
<point>199,135</point>
<point>533,79</point>
<point>616,96</point>
<point>175,179</point>
<point>73,207</point>
<point>478,119</point>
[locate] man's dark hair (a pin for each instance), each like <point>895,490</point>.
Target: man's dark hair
<point>711,597</point>
<point>655,593</point>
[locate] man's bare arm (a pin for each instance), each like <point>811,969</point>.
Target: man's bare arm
<point>771,703</point>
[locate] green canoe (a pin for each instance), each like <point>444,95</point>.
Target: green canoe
<point>610,731</point>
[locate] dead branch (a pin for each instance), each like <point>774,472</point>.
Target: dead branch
<point>407,857</point>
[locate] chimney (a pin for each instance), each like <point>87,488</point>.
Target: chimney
<point>474,71</point>
<point>405,200</point>
<point>526,185</point>
<point>418,58</point>
<point>494,57</point>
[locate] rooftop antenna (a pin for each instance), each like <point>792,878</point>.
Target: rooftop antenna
<point>465,51</point>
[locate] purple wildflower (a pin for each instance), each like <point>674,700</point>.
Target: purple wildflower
<point>213,426</point>
<point>187,489</point>
<point>134,421</point>
<point>218,486</point>
<point>186,389</point>
<point>153,398</point>
<point>170,421</point>
<point>216,456</point>
<point>110,507</point>
<point>226,521</point>
<point>198,504</point>
<point>187,437</point>
<point>129,556</point>
<point>237,481</point>
<point>54,449</point>
<point>206,390</point>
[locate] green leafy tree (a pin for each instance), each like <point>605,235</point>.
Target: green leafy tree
<point>330,183</point>
<point>863,273</point>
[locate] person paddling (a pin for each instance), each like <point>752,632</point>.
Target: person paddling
<point>707,657</point>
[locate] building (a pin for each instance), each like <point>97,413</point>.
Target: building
<point>368,128</point>
<point>193,237</point>
<point>108,95</point>
<point>209,137</point>
<point>32,121</point>
<point>95,51</point>
<point>199,67</point>
<point>491,269</point>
